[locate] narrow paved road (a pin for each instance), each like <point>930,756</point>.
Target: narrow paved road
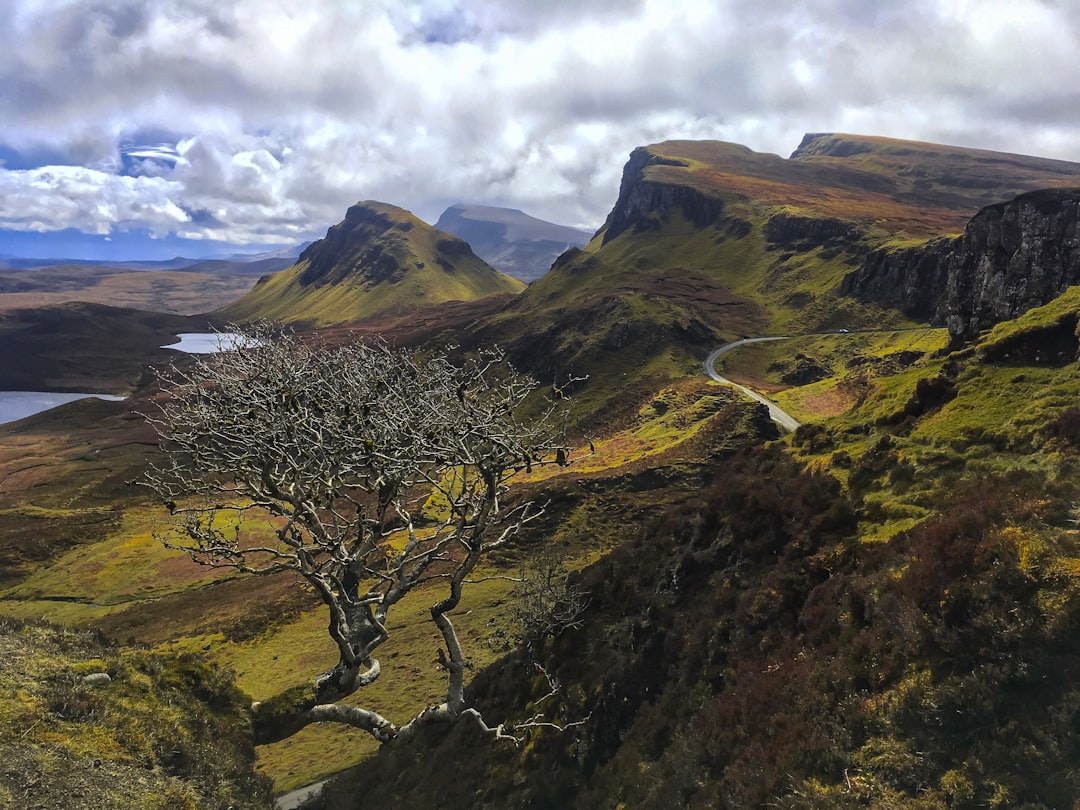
<point>776,413</point>
<point>295,798</point>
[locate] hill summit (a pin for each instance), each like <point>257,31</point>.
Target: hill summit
<point>379,258</point>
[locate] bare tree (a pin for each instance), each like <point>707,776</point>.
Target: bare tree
<point>546,600</point>
<point>379,473</point>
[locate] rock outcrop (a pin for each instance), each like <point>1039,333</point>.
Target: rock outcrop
<point>806,233</point>
<point>912,280</point>
<point>1012,256</point>
<point>639,197</point>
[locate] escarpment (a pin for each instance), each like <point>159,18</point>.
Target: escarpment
<point>640,196</point>
<point>1012,256</point>
<point>912,280</point>
<point>806,233</point>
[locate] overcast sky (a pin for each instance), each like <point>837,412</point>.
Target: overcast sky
<point>257,122</point>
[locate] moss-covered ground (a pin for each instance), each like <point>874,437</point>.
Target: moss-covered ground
<point>84,724</point>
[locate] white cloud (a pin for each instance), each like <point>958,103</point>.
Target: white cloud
<point>57,197</point>
<point>286,111</point>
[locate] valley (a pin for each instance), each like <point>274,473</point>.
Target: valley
<point>872,606</point>
<point>175,293</point>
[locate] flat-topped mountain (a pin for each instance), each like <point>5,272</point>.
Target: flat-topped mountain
<point>379,258</point>
<point>950,176</point>
<point>885,185</point>
<point>510,240</point>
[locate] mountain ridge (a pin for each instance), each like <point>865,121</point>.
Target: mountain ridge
<point>378,258</point>
<point>899,576</point>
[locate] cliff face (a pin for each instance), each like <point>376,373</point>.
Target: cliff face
<point>378,243</point>
<point>368,243</point>
<point>639,197</point>
<point>810,232</point>
<point>1011,257</point>
<point>912,280</point>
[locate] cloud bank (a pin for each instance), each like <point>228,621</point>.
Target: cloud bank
<point>260,121</point>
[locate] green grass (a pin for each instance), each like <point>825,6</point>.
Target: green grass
<point>899,457</point>
<point>129,566</point>
<point>166,731</point>
<point>1068,303</point>
<point>851,361</point>
<point>411,677</point>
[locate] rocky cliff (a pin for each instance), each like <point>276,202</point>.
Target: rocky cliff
<point>640,196</point>
<point>912,280</point>
<point>1012,256</point>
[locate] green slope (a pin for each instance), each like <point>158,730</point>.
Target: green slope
<point>86,724</point>
<point>879,612</point>
<point>706,242</point>
<point>379,259</point>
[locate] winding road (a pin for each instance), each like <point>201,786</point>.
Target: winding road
<point>776,413</point>
<point>297,798</point>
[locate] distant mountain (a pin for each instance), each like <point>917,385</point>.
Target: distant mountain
<point>18,263</point>
<point>510,240</point>
<point>379,259</point>
<point>238,264</point>
<point>236,267</point>
<point>290,252</point>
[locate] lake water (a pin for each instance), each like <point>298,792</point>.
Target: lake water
<point>19,404</point>
<point>204,342</point>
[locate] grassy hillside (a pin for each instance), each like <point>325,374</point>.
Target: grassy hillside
<point>85,724</point>
<point>951,177</point>
<point>81,552</point>
<point>379,259</point>
<point>709,241</point>
<point>878,611</point>
<point>85,347</point>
